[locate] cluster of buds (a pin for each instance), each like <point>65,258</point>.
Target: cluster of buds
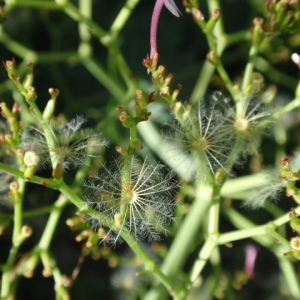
<point>86,236</point>
<point>283,15</point>
<point>161,79</point>
<point>294,241</point>
<point>207,26</point>
<point>27,89</point>
<point>292,189</point>
<point>141,114</point>
<point>292,179</point>
<point>11,116</point>
<point>141,111</point>
<point>26,86</point>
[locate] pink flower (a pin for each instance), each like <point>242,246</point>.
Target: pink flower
<point>250,259</point>
<point>171,6</point>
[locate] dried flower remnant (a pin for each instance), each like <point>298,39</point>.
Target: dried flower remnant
<point>142,204</point>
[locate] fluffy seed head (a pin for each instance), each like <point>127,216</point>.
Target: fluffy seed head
<point>143,203</point>
<point>205,134</point>
<point>72,144</point>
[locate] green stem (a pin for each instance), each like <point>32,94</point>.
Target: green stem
<point>77,16</point>
<point>202,82</point>
<point>203,257</point>
<point>150,265</point>
<point>17,239</point>
<point>295,103</point>
<point>7,270</point>
<point>249,67</point>
<point>10,4</point>
<point>52,223</point>
<point>17,48</point>
<point>123,17</point>
<point>260,234</point>
<point>184,238</point>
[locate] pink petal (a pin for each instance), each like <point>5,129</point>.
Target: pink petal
<point>171,6</point>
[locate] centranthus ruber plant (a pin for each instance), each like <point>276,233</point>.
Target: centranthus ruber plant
<point>152,189</point>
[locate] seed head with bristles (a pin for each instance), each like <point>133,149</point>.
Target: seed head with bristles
<point>72,144</point>
<point>206,135</point>
<point>143,204</point>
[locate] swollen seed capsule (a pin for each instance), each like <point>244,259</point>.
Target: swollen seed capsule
<point>295,224</point>
<point>26,231</point>
<point>296,254</point>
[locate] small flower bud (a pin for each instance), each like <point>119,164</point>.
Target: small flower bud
<point>177,107</point>
<point>14,186</point>
<point>215,16</point>
<point>141,99</point>
<point>30,264</point>
<point>121,151</point>
<point>168,79</point>
<point>176,92</point>
<point>165,91</point>
<point>285,162</point>
<point>26,232</point>
<point>50,107</point>
<point>10,66</point>
<point>213,57</point>
<point>21,152</point>
<point>13,124</point>
<point>9,140</point>
<point>28,81</point>
<point>16,108</point>
<point>31,95</point>
<point>92,240</point>
<point>197,14</point>
<point>287,19</point>
<point>47,271</point>
<point>5,111</point>
<point>257,32</point>
<point>127,120</point>
<point>159,73</point>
